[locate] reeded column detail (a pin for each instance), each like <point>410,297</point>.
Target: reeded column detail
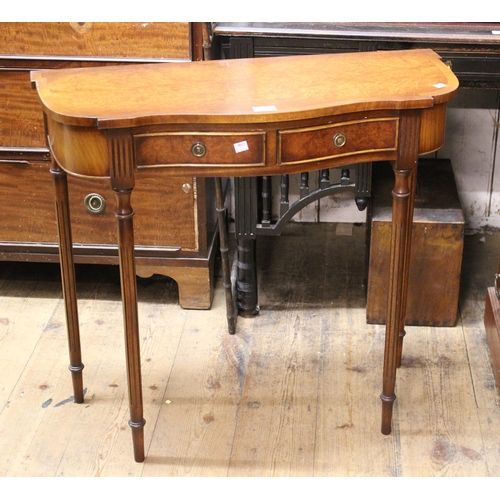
<point>120,149</point>
<point>68,278</point>
<point>402,219</point>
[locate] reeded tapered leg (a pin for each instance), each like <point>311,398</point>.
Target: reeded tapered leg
<point>231,309</point>
<point>401,198</point>
<point>402,220</point>
<point>411,205</point>
<point>124,217</point>
<point>68,279</point>
<point>122,180</point>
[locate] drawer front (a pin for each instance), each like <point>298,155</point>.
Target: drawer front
<point>185,149</point>
<point>165,208</point>
<point>341,139</point>
<point>108,40</point>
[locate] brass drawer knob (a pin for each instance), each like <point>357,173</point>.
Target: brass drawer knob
<point>198,149</point>
<point>94,203</point>
<point>339,140</point>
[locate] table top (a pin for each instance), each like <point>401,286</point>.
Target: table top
<point>249,91</point>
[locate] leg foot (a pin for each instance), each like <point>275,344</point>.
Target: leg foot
<point>138,439</point>
<point>387,404</point>
<point>77,379</point>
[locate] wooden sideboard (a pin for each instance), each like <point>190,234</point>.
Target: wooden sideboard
<point>183,249</point>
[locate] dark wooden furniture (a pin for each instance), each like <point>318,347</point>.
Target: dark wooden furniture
<point>184,249</point>
<point>472,50</point>
<point>437,246</point>
<point>252,117</point>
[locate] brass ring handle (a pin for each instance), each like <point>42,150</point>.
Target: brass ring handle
<point>198,149</point>
<point>94,203</point>
<point>339,140</point>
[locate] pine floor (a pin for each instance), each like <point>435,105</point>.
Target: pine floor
<point>294,393</point>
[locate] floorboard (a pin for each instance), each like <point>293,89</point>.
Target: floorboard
<point>295,393</point>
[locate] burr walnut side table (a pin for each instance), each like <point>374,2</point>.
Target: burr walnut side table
<point>235,118</point>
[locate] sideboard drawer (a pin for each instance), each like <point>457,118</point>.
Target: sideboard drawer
<point>108,40</point>
<point>218,148</point>
<point>339,139</point>
<point>165,209</point>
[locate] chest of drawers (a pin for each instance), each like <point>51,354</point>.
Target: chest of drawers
<point>183,249</point>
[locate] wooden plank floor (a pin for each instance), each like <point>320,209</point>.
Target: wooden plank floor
<point>294,393</point>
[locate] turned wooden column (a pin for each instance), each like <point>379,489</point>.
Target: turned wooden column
<point>402,220</point>
<point>121,155</point>
<point>68,278</point>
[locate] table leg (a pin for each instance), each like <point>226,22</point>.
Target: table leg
<point>402,220</point>
<point>124,217</point>
<point>120,150</point>
<point>411,205</point>
<point>68,278</point>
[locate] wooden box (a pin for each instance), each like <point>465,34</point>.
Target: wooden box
<point>437,246</point>
<point>175,225</point>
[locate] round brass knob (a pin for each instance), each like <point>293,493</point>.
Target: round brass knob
<point>198,149</point>
<point>94,203</point>
<point>339,140</point>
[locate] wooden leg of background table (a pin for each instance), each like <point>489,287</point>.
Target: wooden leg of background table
<point>231,308</point>
<point>245,211</point>
<point>124,217</point>
<point>68,279</point>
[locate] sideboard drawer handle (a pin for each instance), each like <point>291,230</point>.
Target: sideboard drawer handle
<point>339,140</point>
<point>94,203</point>
<point>198,149</point>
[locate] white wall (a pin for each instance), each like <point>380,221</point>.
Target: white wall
<point>472,144</point>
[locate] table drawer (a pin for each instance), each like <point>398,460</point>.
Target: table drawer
<point>184,149</point>
<point>340,139</point>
